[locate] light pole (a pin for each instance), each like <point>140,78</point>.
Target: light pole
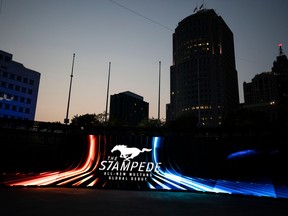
<point>159,90</point>
<point>66,120</point>
<point>108,84</point>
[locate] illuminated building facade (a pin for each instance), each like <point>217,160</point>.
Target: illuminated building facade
<point>203,77</point>
<point>18,89</point>
<point>128,108</point>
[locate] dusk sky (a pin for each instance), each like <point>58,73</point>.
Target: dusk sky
<point>134,35</point>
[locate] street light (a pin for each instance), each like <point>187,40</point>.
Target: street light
<point>66,120</point>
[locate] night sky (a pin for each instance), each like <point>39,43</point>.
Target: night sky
<point>134,35</point>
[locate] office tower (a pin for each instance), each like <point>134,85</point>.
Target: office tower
<point>280,68</point>
<point>203,77</point>
<point>128,108</point>
<point>18,89</point>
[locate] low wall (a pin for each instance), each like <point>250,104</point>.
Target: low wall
<point>213,160</point>
<point>32,151</point>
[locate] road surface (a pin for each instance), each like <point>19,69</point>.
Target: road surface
<point>86,201</point>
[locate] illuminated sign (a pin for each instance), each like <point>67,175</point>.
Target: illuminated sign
<point>125,167</point>
<point>148,162</point>
<point>129,153</point>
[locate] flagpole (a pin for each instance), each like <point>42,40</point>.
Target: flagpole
<point>108,84</point>
<point>66,120</point>
<point>159,92</point>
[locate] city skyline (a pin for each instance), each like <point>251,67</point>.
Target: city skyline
<point>133,36</point>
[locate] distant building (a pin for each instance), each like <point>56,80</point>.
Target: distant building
<point>261,95</point>
<point>268,91</point>
<point>128,108</point>
<point>262,89</point>
<point>280,68</point>
<point>18,89</point>
<point>203,77</point>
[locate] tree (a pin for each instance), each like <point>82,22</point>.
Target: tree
<point>87,120</point>
<point>152,122</point>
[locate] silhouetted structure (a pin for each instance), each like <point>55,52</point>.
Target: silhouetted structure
<point>280,68</point>
<point>128,108</point>
<point>18,89</point>
<point>262,89</point>
<point>268,91</point>
<point>203,77</point>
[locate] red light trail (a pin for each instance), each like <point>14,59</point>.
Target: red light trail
<point>82,172</point>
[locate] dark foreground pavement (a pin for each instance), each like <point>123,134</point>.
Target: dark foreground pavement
<point>86,202</point>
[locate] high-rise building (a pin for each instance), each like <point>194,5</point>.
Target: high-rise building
<point>203,77</point>
<point>280,68</point>
<point>18,89</point>
<point>128,108</point>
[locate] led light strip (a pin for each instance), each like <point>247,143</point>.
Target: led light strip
<point>50,178</point>
<point>178,181</point>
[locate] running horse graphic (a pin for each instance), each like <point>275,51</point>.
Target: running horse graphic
<point>129,153</point>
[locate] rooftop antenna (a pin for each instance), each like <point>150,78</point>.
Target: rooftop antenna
<point>196,7</point>
<point>108,84</point>
<point>280,49</point>
<point>66,120</point>
<point>202,5</point>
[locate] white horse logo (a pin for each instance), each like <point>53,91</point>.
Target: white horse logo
<point>129,153</point>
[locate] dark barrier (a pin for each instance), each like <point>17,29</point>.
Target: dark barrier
<point>233,162</point>
<point>34,151</point>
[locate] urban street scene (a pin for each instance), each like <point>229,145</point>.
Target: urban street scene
<point>143,107</point>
